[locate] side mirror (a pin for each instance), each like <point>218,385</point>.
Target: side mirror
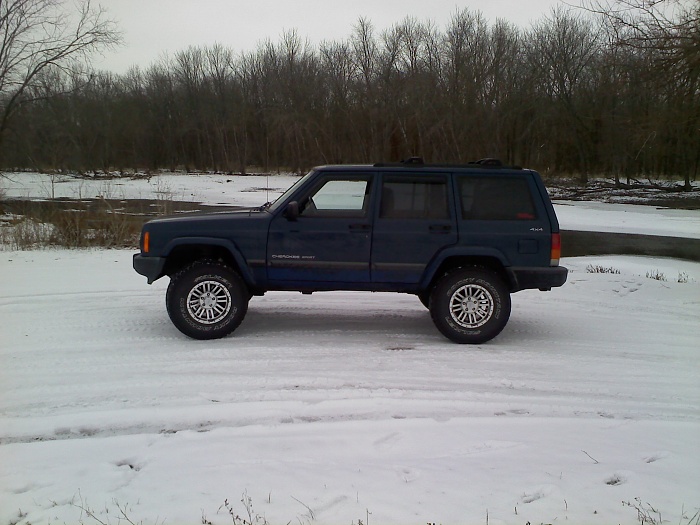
<point>292,211</point>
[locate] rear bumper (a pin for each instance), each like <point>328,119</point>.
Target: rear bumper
<point>150,267</point>
<point>537,278</point>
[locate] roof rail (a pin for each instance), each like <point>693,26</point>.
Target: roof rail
<point>418,162</point>
<point>496,163</point>
<point>410,161</point>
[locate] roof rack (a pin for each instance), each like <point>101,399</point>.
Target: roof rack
<point>488,162</point>
<point>411,161</point>
<point>418,162</point>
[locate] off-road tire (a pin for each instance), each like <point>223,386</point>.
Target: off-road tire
<point>207,300</point>
<point>470,305</point>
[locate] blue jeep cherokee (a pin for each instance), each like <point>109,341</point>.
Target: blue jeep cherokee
<point>461,238</point>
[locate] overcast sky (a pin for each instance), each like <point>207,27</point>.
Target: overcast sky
<point>153,28</point>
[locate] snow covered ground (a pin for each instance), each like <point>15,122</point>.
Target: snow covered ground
<point>347,407</point>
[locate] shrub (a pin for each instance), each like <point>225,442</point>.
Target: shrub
<point>656,275</point>
<point>77,227</point>
<point>601,269</point>
<point>26,234</point>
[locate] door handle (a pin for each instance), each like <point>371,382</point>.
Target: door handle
<point>440,228</point>
<point>362,228</point>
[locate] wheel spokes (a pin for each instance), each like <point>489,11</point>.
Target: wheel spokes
<point>209,302</point>
<point>471,306</point>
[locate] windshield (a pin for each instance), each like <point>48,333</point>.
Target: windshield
<point>282,198</point>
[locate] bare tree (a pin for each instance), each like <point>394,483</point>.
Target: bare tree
<point>668,31</point>
<point>670,27</point>
<point>37,35</point>
<point>562,50</point>
<point>569,95</point>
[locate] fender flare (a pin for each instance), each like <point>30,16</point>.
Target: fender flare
<point>243,268</point>
<point>477,252</point>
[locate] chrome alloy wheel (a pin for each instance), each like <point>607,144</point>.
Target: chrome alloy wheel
<point>208,302</point>
<point>471,306</point>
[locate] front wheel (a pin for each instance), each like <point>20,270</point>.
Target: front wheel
<point>207,300</point>
<point>470,305</point>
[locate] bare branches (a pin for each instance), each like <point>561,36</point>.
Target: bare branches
<point>665,36</point>
<point>668,29</point>
<point>38,35</point>
<point>564,96</point>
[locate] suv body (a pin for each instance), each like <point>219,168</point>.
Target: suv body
<point>461,238</point>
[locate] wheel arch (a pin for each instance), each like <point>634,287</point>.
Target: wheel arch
<point>184,251</point>
<point>493,262</point>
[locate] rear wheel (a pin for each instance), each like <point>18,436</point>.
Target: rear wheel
<point>470,305</point>
<point>207,300</point>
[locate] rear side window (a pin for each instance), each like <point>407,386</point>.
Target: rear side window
<point>414,197</point>
<point>496,199</point>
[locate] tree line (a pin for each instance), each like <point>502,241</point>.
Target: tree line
<point>585,91</point>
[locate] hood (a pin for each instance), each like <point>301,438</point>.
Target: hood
<point>198,216</point>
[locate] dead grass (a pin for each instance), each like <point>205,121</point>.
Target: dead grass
<point>77,226</point>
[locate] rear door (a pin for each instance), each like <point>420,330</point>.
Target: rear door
<point>413,223</point>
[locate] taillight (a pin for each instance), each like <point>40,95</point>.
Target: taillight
<point>146,242</point>
<point>556,250</point>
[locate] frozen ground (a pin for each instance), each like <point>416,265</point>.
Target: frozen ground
<point>343,407</point>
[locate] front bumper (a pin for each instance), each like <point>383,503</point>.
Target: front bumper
<point>150,267</point>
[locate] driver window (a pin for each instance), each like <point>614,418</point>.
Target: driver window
<point>338,198</point>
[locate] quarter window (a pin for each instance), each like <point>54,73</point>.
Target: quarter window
<point>496,199</point>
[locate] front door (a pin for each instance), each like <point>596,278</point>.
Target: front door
<point>330,239</point>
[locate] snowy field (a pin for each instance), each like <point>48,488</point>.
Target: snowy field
<point>348,407</point>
